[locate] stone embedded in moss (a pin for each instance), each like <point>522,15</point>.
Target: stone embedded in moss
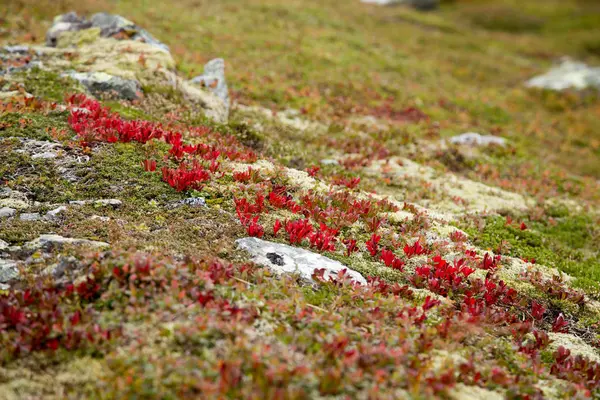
<point>102,83</point>
<point>50,241</point>
<point>7,212</point>
<point>282,258</point>
<point>8,270</point>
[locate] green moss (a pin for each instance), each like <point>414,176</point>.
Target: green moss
<point>322,296</point>
<point>246,135</point>
<point>38,178</point>
<point>570,246</point>
<point>127,112</point>
<point>116,171</point>
<point>32,125</point>
<point>47,85</point>
<point>501,18</point>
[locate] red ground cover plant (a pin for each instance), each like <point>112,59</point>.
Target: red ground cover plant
<point>325,220</point>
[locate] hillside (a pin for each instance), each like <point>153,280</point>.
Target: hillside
<point>299,200</point>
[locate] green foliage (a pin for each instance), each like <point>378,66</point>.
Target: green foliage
<point>31,125</point>
<point>118,169</point>
<point>570,246</point>
<point>506,19</point>
<point>47,85</point>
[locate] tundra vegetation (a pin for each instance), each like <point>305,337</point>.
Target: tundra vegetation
<point>120,219</point>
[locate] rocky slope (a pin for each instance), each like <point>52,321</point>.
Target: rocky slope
<point>157,241</point>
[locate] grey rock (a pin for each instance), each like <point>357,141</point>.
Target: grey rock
<point>49,241</point>
<point>475,139</point>
<point>7,193</point>
<point>3,245</point>
<point>101,82</point>
<point>65,265</point>
<point>213,79</point>
<point>8,270</point>
<point>55,214</point>
<point>569,74</point>
<point>7,212</point>
<point>65,23</point>
<point>109,25</point>
<point>30,217</point>
<point>282,258</point>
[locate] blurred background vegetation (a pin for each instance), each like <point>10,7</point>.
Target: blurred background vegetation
<point>463,64</point>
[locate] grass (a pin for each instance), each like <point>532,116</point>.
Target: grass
<point>318,56</point>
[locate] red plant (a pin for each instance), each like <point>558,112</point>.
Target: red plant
<point>184,177</point>
<point>458,236</point>
<point>351,246</point>
<point>276,227</point>
<point>430,303</point>
<point>537,310</point>
<point>350,183</point>
<point>373,244</point>
<point>323,241</point>
<point>374,223</point>
<point>489,262</point>
<point>560,324</point>
<point>390,260</point>
<point>415,249</point>
<point>254,228</point>
<point>149,165</point>
<point>312,171</point>
<point>244,176</point>
<point>245,210</point>
<point>298,230</point>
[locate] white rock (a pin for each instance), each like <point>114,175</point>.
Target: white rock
<point>56,240</point>
<point>475,139</point>
<point>30,217</point>
<point>213,80</point>
<point>7,212</point>
<point>8,270</point>
<point>53,214</point>
<point>3,245</point>
<point>282,258</point>
<point>569,74</point>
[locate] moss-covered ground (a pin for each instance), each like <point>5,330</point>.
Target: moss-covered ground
<point>174,310</point>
